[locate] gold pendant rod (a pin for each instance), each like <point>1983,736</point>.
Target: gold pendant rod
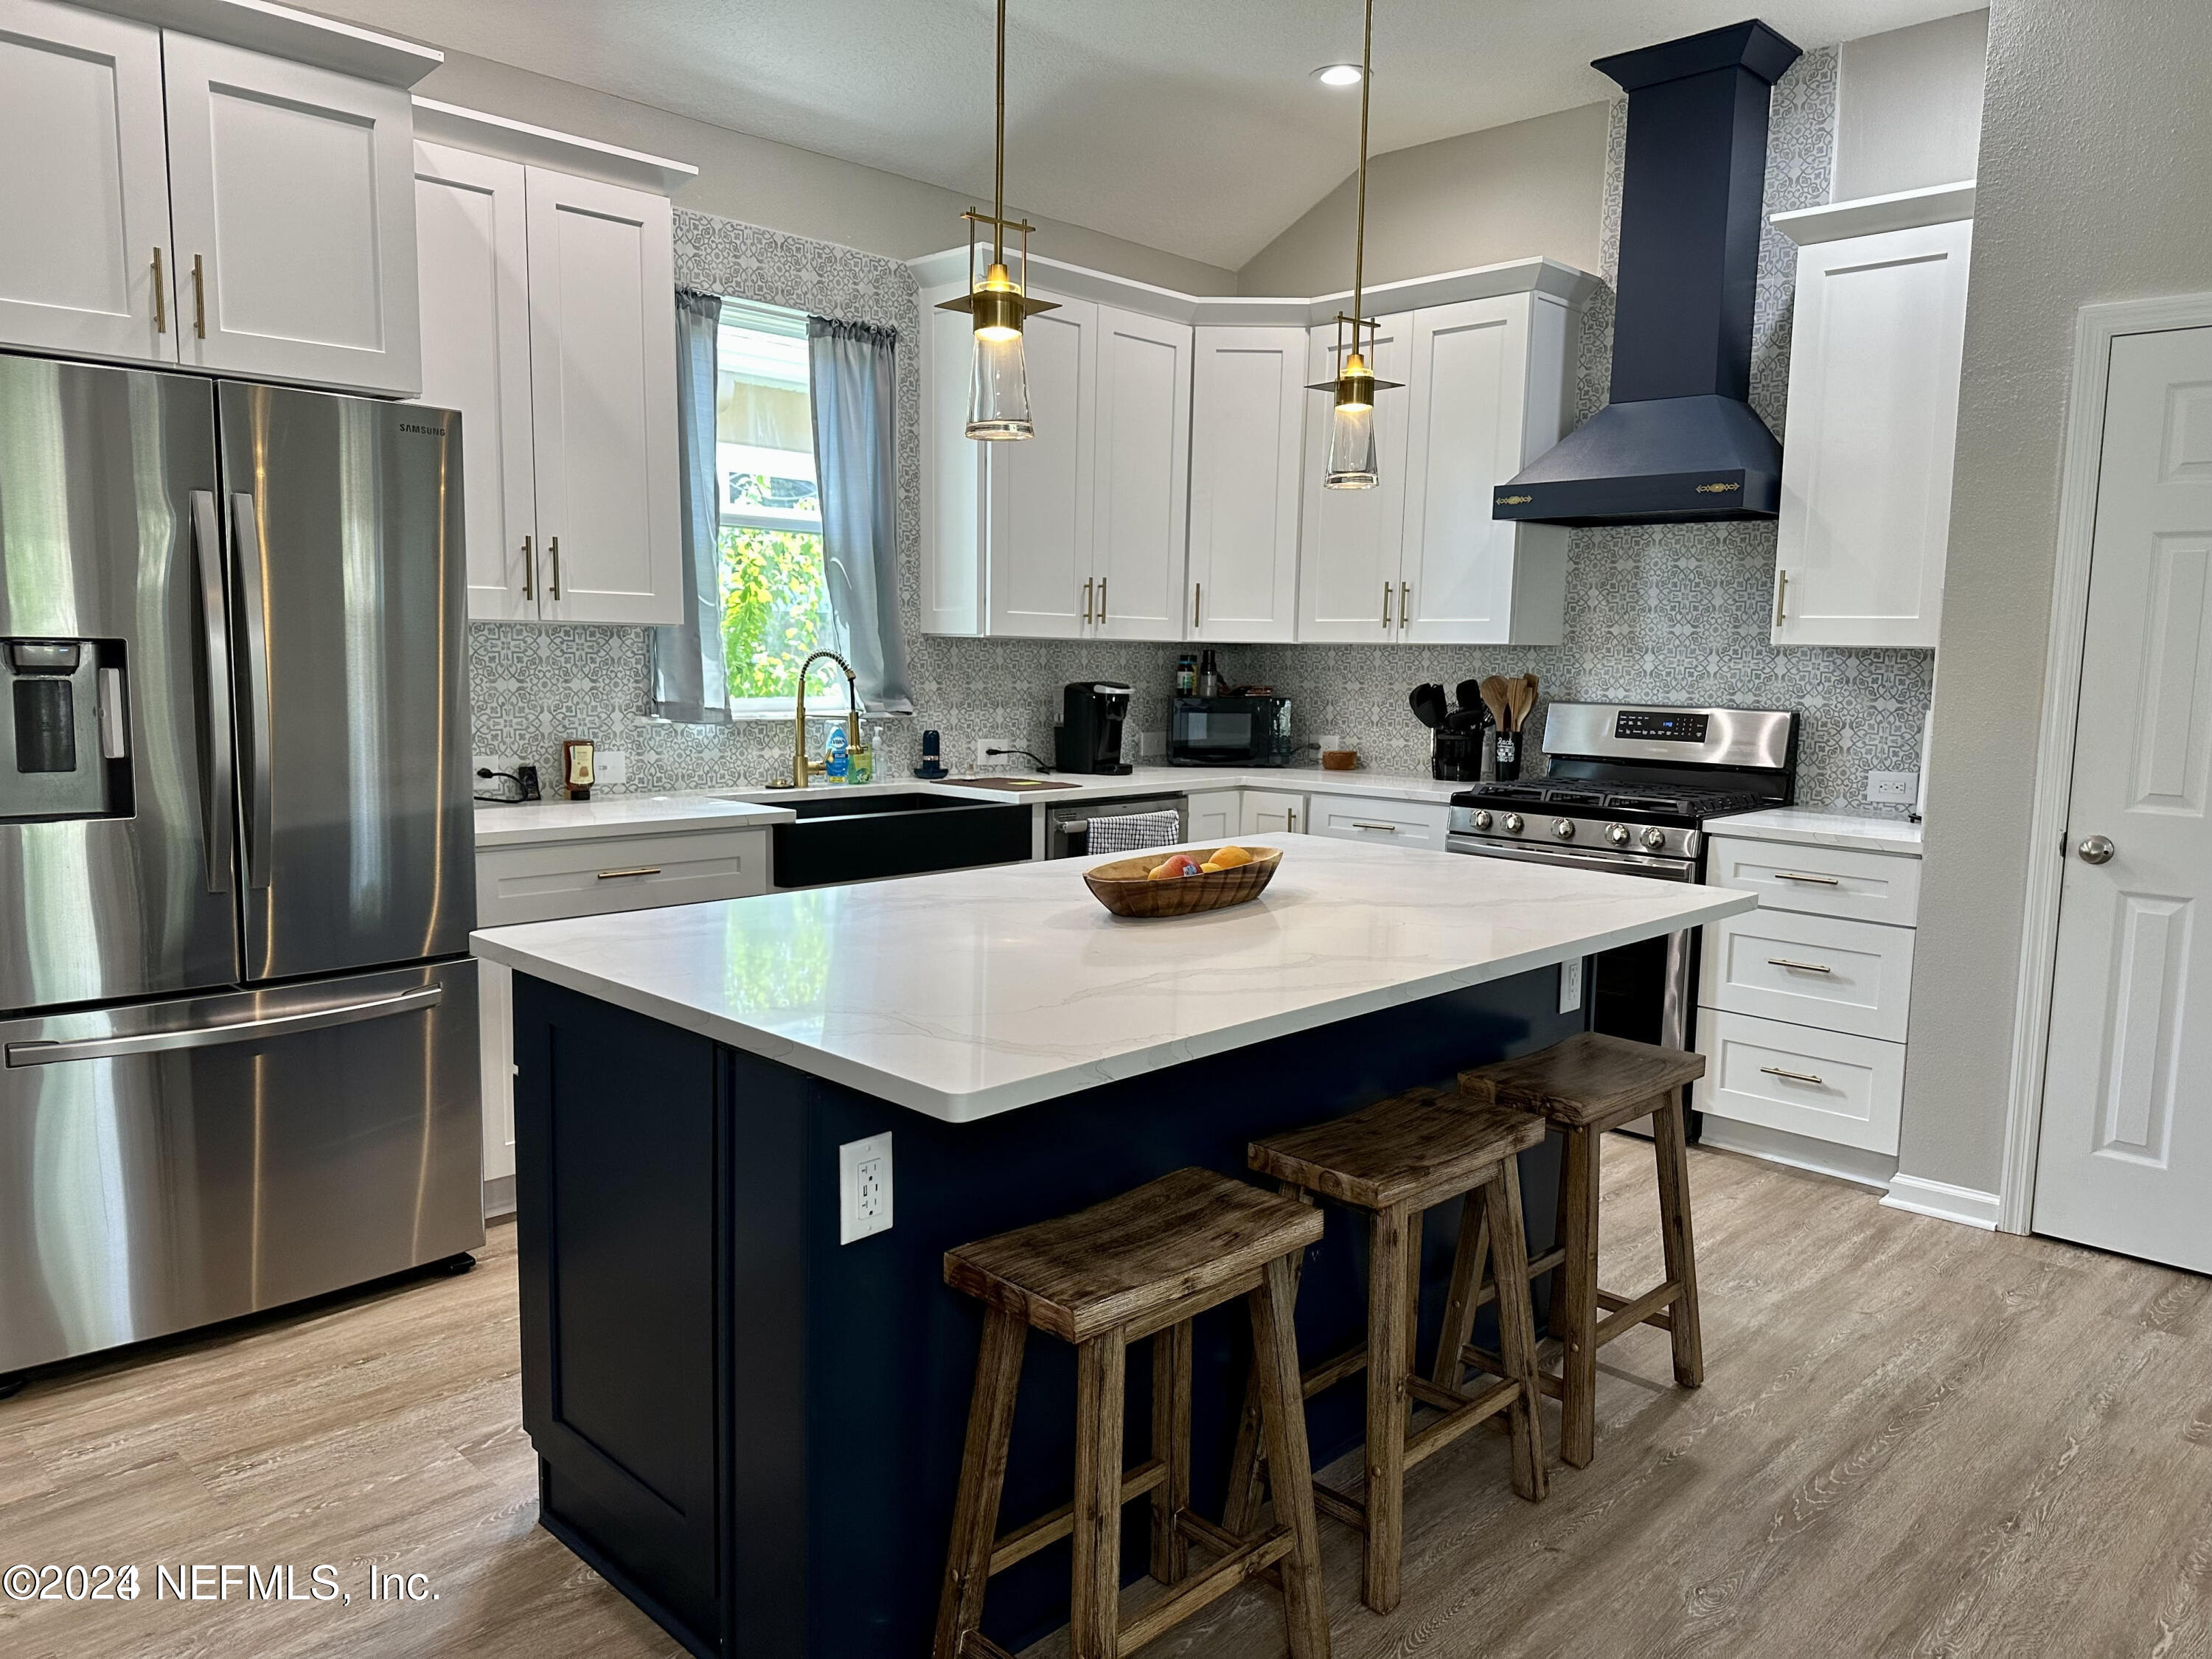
<point>998,164</point>
<point>1359,238</point>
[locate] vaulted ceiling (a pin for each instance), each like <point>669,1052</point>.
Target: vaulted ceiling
<point>1191,125</point>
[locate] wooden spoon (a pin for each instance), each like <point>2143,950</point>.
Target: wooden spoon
<point>1521,694</point>
<point>1493,699</point>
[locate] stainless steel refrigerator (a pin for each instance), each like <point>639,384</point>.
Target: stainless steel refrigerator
<point>237,1012</point>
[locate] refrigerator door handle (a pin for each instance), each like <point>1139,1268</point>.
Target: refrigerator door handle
<point>217,782</point>
<point>260,809</point>
<point>210,1037</point>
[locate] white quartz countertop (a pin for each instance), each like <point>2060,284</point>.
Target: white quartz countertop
<point>973,992</point>
<point>526,822</point>
<point>1801,826</point>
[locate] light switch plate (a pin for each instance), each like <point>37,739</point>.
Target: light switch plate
<point>613,766</point>
<point>864,1188</point>
<point>1571,985</point>
<point>1900,788</point>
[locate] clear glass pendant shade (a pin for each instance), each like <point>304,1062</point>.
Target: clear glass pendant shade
<point>1351,447</point>
<point>999,393</point>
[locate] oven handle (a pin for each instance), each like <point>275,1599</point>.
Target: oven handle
<point>1619,864</point>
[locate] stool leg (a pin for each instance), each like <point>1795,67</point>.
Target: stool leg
<point>1558,1319</point>
<point>1246,1465</point>
<point>1172,1445</point>
<point>1101,1383</point>
<point>1576,1303</point>
<point>982,1473</point>
<point>1671,1139</point>
<point>1283,1407</point>
<point>1386,1397</point>
<point>1516,1326</point>
<point>1459,1307</point>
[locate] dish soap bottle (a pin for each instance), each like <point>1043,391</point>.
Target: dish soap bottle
<point>861,764</point>
<point>837,761</point>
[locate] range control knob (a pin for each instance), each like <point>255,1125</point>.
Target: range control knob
<point>1655,838</point>
<point>1481,819</point>
<point>1513,824</point>
<point>1563,829</point>
<point>1618,835</point>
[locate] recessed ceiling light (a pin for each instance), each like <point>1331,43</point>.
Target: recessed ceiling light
<point>1338,75</point>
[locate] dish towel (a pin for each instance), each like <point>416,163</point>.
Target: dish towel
<point>1133,832</point>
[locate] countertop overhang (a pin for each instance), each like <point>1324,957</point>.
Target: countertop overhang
<point>970,992</point>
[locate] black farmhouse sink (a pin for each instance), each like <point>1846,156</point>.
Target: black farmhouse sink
<point>861,836</point>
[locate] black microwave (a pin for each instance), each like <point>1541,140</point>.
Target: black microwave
<point>1229,731</point>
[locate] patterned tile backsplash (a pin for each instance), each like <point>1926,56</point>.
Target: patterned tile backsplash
<point>1671,613</point>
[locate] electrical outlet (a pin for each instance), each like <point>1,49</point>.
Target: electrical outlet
<point>613,766</point>
<point>1571,985</point>
<point>864,1188</point>
<point>494,788</point>
<point>1899,787</point>
<point>1151,745</point>
<point>987,762</point>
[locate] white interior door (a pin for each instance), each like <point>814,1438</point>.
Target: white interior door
<point>473,245</point>
<point>84,190</point>
<point>294,189</point>
<point>1247,400</point>
<point>2125,1161</point>
<point>1038,526</point>
<point>603,383</point>
<point>1142,485</point>
<point>1348,547</point>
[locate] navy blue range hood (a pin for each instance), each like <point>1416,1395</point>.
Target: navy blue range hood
<point>1678,444</point>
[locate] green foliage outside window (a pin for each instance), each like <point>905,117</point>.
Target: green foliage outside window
<point>775,608</point>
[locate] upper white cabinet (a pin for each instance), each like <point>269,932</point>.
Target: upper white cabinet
<point>294,213</point>
<point>1417,559</point>
<point>548,320</point>
<point>1248,403</point>
<point>1874,408</point>
<point>84,195</point>
<point>173,199</point>
<point>1078,532</point>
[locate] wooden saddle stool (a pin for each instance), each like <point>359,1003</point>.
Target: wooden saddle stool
<point>1141,1265</point>
<point>1394,1160</point>
<point>1584,1086</point>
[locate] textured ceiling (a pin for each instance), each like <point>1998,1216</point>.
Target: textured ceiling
<point>1191,125</point>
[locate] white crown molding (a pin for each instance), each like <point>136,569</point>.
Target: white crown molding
<point>1908,210</point>
<point>1968,1205</point>
<point>1548,277</point>
<point>518,141</point>
<point>299,36</point>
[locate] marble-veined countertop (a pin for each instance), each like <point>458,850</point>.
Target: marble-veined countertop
<point>1802,826</point>
<point>973,992</point>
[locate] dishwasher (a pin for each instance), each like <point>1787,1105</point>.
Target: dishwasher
<point>1067,829</point>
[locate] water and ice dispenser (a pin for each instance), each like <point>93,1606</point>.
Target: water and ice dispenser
<point>65,736</point>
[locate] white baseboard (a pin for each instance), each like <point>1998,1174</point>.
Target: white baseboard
<point>1825,1157</point>
<point>498,1197</point>
<point>1966,1206</point>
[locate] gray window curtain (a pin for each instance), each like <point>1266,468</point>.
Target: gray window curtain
<point>851,368</point>
<point>689,680</point>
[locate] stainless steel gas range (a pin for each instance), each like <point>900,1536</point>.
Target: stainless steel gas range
<point>1630,789</point>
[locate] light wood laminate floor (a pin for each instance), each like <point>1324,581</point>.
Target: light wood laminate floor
<point>1916,1438</point>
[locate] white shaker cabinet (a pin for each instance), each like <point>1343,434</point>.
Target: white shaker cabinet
<point>1271,812</point>
<point>1249,400</point>
<point>85,255</point>
<point>294,211</point>
<point>603,403</point>
<point>1140,479</point>
<point>1349,540</point>
<point>1874,408</point>
<point>1037,536</point>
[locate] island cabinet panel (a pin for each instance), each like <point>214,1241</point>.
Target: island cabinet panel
<point>755,1432</point>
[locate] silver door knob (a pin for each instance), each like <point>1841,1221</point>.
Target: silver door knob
<point>1563,829</point>
<point>1618,835</point>
<point>1512,823</point>
<point>2098,849</point>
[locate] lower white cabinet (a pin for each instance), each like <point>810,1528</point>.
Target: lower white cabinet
<point>1271,812</point>
<point>1841,975</point>
<point>1216,814</point>
<point>1826,1085</point>
<point>1378,822</point>
<point>1250,401</point>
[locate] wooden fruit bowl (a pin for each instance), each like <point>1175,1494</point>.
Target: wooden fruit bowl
<point>1125,886</point>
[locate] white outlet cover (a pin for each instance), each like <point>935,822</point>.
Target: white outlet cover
<point>499,788</point>
<point>1571,985</point>
<point>1898,787</point>
<point>986,761</point>
<point>864,1188</point>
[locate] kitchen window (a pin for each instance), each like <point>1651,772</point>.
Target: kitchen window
<point>774,599</point>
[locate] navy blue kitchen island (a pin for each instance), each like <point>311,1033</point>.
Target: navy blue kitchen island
<point>755,1431</point>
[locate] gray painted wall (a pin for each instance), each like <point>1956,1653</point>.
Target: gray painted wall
<point>1910,111</point>
<point>2096,142</point>
<point>1505,193</point>
<point>760,182</point>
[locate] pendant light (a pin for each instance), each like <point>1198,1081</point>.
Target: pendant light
<point>998,390</point>
<point>1352,417</point>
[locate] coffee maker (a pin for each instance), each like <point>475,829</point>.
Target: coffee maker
<point>1089,736</point>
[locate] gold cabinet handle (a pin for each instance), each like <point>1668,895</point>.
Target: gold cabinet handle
<point>1386,605</point>
<point>1801,967</point>
<point>161,299</point>
<point>641,870</point>
<point>1781,594</point>
<point>529,565</point>
<point>1102,600</point>
<point>1087,584</point>
<point>1197,592</point>
<point>1794,1077</point>
<point>1387,828</point>
<point>553,552</point>
<point>1405,590</point>
<point>1811,881</point>
<point>200,300</point>
<point>1291,822</point>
